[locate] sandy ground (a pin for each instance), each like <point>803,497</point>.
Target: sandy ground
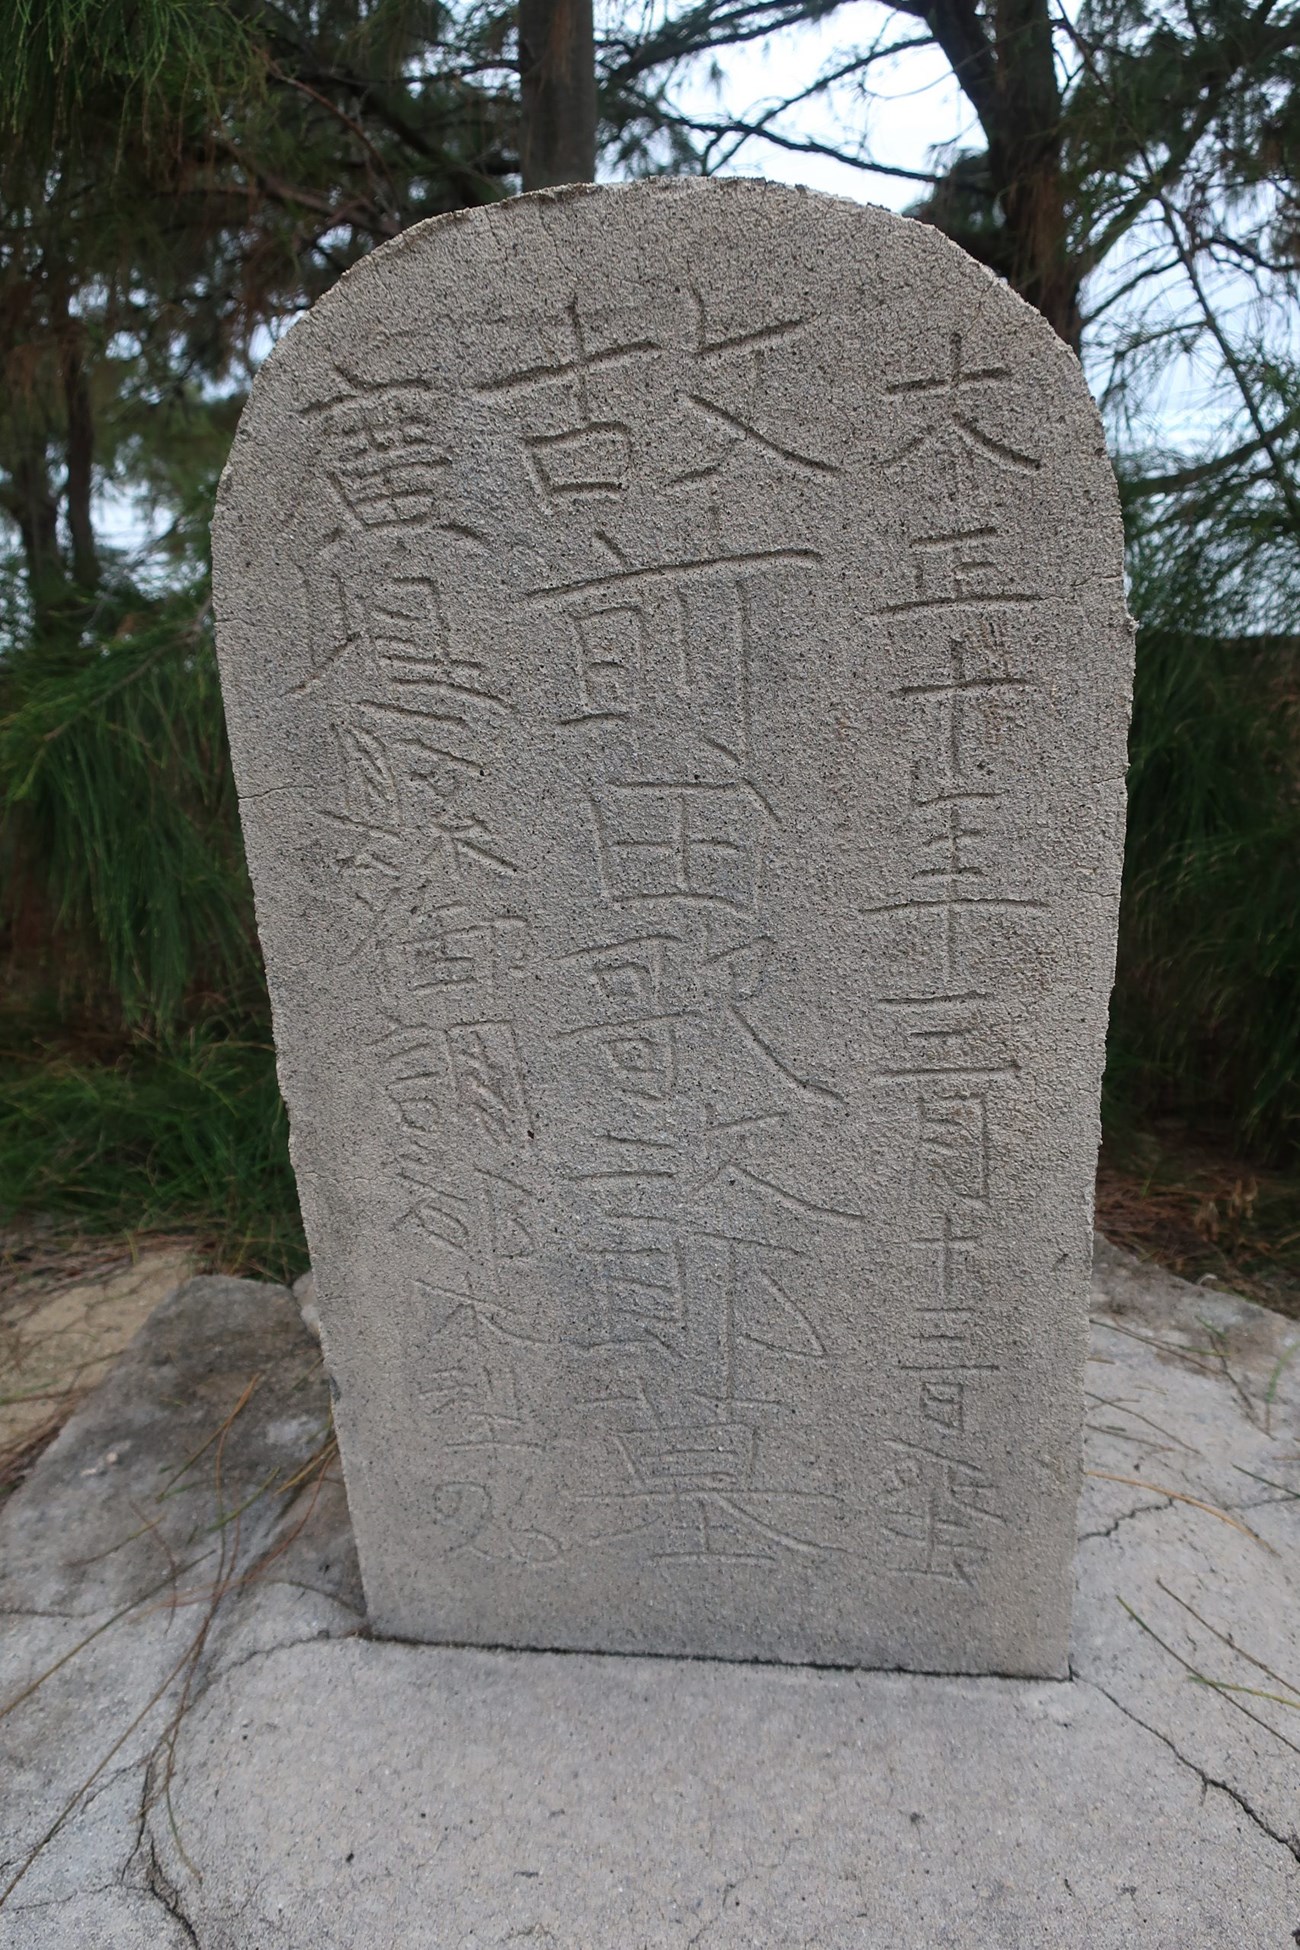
<point>66,1312</point>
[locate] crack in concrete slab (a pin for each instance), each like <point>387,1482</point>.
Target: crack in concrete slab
<point>1125,1516</point>
<point>144,1858</point>
<point>219,1672</point>
<point>61,1902</point>
<point>154,1882</point>
<point>1290,1843</point>
<point>730,1895</point>
<point>710,1923</point>
<point>163,1890</point>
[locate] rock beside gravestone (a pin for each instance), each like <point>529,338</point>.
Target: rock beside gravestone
<point>65,1316</point>
<point>304,1292</point>
<point>677,672</point>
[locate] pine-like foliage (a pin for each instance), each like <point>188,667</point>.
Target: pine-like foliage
<point>1206,1017</point>
<point>179,179</point>
<point>137,1077</point>
<point>121,875</point>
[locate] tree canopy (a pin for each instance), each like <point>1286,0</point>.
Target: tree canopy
<point>180,179</point>
<point>1131,168</point>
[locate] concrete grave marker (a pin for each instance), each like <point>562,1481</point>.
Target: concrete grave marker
<point>677,670</point>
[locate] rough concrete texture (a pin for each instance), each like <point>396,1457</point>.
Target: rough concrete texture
<point>677,671</point>
<point>330,1792</point>
<point>140,1513</point>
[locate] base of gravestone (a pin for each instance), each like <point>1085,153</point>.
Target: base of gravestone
<point>218,1756</point>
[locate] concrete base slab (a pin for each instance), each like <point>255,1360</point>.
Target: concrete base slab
<point>231,1763</point>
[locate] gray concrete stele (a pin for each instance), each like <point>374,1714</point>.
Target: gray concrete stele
<point>677,671</point>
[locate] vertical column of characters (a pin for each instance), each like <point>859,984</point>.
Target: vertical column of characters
<point>434,892</point>
<point>947,1040</point>
<point>656,656</point>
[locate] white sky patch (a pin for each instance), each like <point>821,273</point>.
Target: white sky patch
<point>914,108</point>
<point>910,115</point>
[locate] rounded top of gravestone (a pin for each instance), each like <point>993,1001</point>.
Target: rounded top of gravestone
<point>424,305</point>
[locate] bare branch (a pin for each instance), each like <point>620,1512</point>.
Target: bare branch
<point>703,27</point>
<point>959,29</point>
<point>806,146</point>
<point>1266,436</point>
<point>1208,470</point>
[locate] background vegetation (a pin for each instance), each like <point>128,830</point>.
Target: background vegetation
<point>181,177</point>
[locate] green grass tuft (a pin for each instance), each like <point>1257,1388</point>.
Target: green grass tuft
<point>191,1135</point>
<point>1205,1023</point>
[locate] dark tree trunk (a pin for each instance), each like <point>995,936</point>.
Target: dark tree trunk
<point>35,509</point>
<point>1025,156</point>
<point>557,78</point>
<point>1003,61</point>
<point>81,454</point>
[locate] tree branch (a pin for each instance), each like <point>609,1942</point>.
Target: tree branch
<point>805,147</point>
<point>1149,485</point>
<point>1266,436</point>
<point>960,32</point>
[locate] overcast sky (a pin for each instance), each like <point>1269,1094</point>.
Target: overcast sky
<point>915,110</point>
<point>921,107</point>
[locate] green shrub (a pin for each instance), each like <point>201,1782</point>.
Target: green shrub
<point>1205,1024</point>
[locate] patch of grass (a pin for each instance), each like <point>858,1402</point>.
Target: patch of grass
<point>1205,1023</point>
<point>190,1134</point>
<point>137,1079</point>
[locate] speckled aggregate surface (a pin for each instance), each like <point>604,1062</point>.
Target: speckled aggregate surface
<point>675,655</point>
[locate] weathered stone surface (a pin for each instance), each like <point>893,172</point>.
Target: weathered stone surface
<point>128,1561</point>
<point>330,1791</point>
<point>677,672</point>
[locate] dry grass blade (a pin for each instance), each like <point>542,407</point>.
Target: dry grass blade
<point>19,1458</point>
<point>319,1462</point>
<point>1226,1638</point>
<point>228,1577</point>
<point>1122,1408</point>
<point>1255,1692</point>
<point>74,1800</point>
<point>320,1465</point>
<point>1228,1696</point>
<point>218,1436</point>
<point>1288,1494</point>
<point>1188,1354</point>
<point>49,1672</point>
<point>1181,1496</point>
<point>227,1561</point>
<point>1280,1367</point>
